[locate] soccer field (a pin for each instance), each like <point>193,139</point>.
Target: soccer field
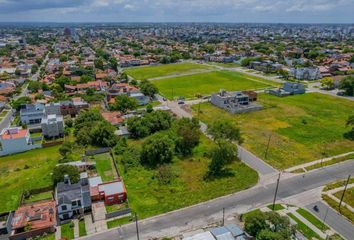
<point>208,83</point>
<point>141,73</point>
<point>301,128</point>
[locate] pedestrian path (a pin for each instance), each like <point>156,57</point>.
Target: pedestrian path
<point>76,228</point>
<point>58,233</point>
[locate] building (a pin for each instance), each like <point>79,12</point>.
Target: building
<point>115,118</point>
<point>33,220</point>
<point>52,108</point>
<point>32,113</point>
<point>289,88</point>
<point>310,73</point>
<point>52,126</point>
<point>15,140</point>
<point>110,192</point>
<point>5,224</point>
<point>73,107</point>
<point>73,199</point>
<point>228,232</point>
<point>140,98</point>
<point>234,102</point>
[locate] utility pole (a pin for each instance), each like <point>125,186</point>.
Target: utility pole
<point>345,189</point>
<point>198,109</point>
<point>324,219</point>
<point>276,191</point>
<point>136,225</point>
<point>223,216</point>
<point>266,152</point>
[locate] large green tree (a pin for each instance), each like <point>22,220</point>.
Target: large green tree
<point>60,171</point>
<point>222,155</point>
<point>124,103</point>
<point>347,84</point>
<point>148,89</point>
<point>157,149</point>
<point>223,129</point>
<point>188,135</point>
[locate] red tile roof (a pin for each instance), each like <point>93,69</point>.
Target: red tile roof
<point>14,134</point>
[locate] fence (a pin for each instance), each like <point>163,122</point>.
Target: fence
<point>51,144</point>
<point>97,151</point>
<point>119,213</point>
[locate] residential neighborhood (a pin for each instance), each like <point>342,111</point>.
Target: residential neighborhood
<point>175,130</point>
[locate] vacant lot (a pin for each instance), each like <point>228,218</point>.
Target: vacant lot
<point>105,167</point>
<point>25,171</point>
<point>348,196</point>
<point>208,83</point>
<point>147,197</point>
<point>301,128</point>
<point>141,73</point>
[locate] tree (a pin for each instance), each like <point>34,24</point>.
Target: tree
<point>113,63</point>
<point>131,157</point>
<point>102,134</point>
<point>137,127</point>
<point>86,78</point>
<point>99,63</point>
<point>327,83</point>
<point>222,129</point>
<point>148,89</point>
<point>34,86</point>
<point>61,170</point>
<point>269,235</point>
<point>157,149</point>
<point>347,84</point>
<point>124,103</point>
<point>350,122</point>
<point>188,135</point>
<point>66,148</point>
<point>16,104</point>
<point>158,120</point>
<point>224,153</point>
<point>255,223</point>
<point>86,119</point>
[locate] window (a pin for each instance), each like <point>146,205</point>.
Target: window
<point>64,208</point>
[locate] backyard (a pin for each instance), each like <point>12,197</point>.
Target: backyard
<point>25,171</point>
<point>147,197</point>
<point>207,83</point>
<point>105,167</point>
<point>298,131</point>
<point>141,73</point>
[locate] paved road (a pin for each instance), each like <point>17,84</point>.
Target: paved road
<point>333,219</point>
<point>203,214</point>
<point>6,121</point>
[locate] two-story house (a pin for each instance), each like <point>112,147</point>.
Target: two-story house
<point>73,199</point>
<point>32,113</point>
<point>52,126</point>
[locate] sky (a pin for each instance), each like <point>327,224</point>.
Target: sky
<point>260,11</point>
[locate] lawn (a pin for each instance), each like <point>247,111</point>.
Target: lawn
<point>312,219</point>
<point>301,128</point>
<point>118,222</point>
<point>348,196</point>
<point>82,228</point>
<point>105,167</point>
<point>330,162</point>
<point>25,171</point>
<point>141,73</point>
<point>148,198</point>
<point>344,210</point>
<point>208,83</point>
<point>67,231</point>
<point>308,232</point>
<point>277,207</point>
<point>39,196</point>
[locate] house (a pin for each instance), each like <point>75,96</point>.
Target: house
<point>310,73</point>
<point>40,216</point>
<point>72,107</point>
<point>52,126</point>
<point>115,118</point>
<point>5,224</point>
<point>32,113</point>
<point>52,108</point>
<point>228,232</point>
<point>234,102</point>
<point>72,198</point>
<point>140,98</point>
<point>15,140</point>
<point>110,192</point>
<point>289,88</point>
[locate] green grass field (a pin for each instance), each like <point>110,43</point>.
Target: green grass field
<point>208,83</point>
<point>308,232</point>
<point>25,171</point>
<point>312,219</point>
<point>67,231</point>
<point>348,196</point>
<point>104,166</point>
<point>148,198</point>
<point>82,228</point>
<point>141,73</point>
<point>303,128</point>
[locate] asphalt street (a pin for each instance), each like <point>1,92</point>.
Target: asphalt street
<point>333,219</point>
<point>203,214</point>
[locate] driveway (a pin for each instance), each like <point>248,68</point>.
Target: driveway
<point>99,216</point>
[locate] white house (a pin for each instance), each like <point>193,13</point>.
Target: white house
<point>15,140</point>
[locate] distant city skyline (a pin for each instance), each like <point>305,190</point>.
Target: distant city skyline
<point>233,11</point>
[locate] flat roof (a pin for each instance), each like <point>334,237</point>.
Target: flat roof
<point>201,236</point>
<point>111,188</point>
